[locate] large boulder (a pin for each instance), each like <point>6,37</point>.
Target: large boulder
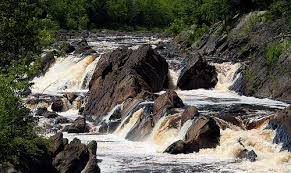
<point>72,159</point>
<point>78,126</point>
<point>203,133</point>
<point>124,74</point>
<point>282,124</point>
<point>197,74</point>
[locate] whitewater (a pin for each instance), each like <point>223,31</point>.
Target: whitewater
<point>72,73</point>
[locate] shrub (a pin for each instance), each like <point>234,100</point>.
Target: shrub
<point>275,50</point>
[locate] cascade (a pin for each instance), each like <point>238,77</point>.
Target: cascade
<point>73,73</point>
<point>227,74</point>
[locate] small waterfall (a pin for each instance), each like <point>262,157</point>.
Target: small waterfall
<point>173,77</point>
<point>65,75</point>
<point>128,123</point>
<point>227,75</point>
<point>165,131</point>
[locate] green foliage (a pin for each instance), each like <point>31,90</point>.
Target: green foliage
<point>20,37</point>
<point>19,144</point>
<point>252,20</point>
<point>69,14</point>
<point>275,50</point>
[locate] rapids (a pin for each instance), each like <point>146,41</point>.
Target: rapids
<point>73,73</point>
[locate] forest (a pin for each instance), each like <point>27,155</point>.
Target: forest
<point>29,26</point>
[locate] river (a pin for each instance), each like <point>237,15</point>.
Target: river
<point>72,74</point>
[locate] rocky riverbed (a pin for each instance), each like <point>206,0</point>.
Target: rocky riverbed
<point>150,109</point>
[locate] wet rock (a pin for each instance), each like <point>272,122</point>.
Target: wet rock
<point>188,114</point>
<point>181,147</point>
<point>124,74</point>
<point>57,105</point>
<point>58,143</point>
<point>203,133</point>
<point>166,101</point>
<point>72,159</point>
<point>70,96</point>
<point>282,124</point>
<point>50,115</point>
<point>46,61</point>
<point>249,155</point>
<point>61,120</point>
<point>81,46</point>
<point>92,166</point>
<point>78,126</point>
<point>40,111</point>
<point>151,114</point>
<point>66,47</point>
<point>197,74</point>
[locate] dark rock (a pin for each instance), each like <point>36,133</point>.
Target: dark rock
<point>81,46</point>
<point>92,147</point>
<point>72,159</point>
<point>189,114</point>
<point>46,61</point>
<point>166,101</point>
<point>58,105</point>
<point>40,111</point>
<point>91,166</point>
<point>124,74</point>
<point>180,147</point>
<point>249,155</point>
<point>282,124</point>
<point>50,115</point>
<point>61,120</point>
<point>70,96</point>
<point>58,143</point>
<point>78,126</point>
<point>203,133</point>
<point>151,114</point>
<point>66,47</point>
<point>197,74</point>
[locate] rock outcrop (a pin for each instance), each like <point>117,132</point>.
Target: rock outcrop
<point>282,124</point>
<point>197,74</point>
<point>124,74</point>
<point>74,157</point>
<point>262,46</point>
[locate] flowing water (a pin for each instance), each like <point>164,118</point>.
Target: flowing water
<point>73,73</point>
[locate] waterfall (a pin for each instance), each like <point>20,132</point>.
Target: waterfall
<point>67,74</point>
<point>173,77</point>
<point>227,74</point>
<point>128,123</point>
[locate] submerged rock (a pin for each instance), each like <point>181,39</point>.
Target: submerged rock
<point>124,74</point>
<point>282,124</point>
<point>197,74</point>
